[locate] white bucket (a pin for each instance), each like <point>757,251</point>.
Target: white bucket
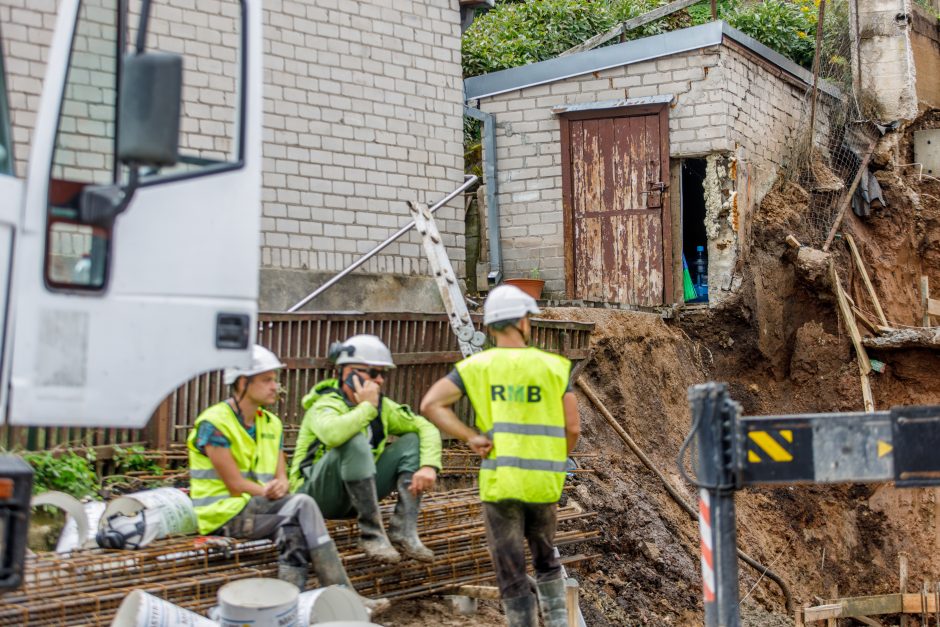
<point>68,539</point>
<point>258,601</point>
<point>330,604</point>
<point>167,512</point>
<point>139,609</point>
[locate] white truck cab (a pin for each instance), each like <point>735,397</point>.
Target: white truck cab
<point>129,256</point>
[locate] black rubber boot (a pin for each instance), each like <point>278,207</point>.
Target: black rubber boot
<point>552,602</point>
<point>403,527</point>
<point>330,571</point>
<point>372,538</point>
<point>296,575</point>
<point>521,611</point>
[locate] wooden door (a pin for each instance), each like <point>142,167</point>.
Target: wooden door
<point>615,178</point>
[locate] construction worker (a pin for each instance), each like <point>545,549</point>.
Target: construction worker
<point>528,424</point>
<point>238,479</point>
<point>344,459</point>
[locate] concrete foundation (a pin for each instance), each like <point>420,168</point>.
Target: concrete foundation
<point>281,288</point>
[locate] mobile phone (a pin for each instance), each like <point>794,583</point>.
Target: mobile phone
<point>352,379</point>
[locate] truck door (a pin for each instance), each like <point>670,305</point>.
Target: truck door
<point>134,273</point>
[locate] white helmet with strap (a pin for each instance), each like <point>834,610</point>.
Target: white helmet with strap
<point>362,349</point>
<point>508,302</point>
<point>262,360</point>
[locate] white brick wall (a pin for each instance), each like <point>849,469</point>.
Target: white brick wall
<point>363,112</point>
<point>723,103</point>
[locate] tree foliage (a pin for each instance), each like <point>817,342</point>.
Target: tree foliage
<point>516,33</point>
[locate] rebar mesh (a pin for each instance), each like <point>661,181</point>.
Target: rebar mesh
<point>86,587</point>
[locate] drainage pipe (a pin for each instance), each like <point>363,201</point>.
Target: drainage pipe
<point>678,498</point>
<point>495,274</point>
<point>469,180</point>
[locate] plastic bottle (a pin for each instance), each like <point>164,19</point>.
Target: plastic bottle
<point>701,273</point>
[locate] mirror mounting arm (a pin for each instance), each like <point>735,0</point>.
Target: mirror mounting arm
<point>101,204</point>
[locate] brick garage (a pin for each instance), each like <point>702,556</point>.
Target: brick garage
<point>363,112</point>
<point>732,104</point>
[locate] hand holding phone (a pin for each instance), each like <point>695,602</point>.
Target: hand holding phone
<point>364,391</point>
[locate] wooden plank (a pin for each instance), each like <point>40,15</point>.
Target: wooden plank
<point>933,308</point>
<point>567,205</point>
<point>868,324</point>
<point>822,612</point>
<point>867,281</point>
<point>848,319</point>
<point>793,242</point>
<point>847,198</point>
<point>915,603</point>
<point>902,577</point>
<point>629,25</point>
<point>867,399</point>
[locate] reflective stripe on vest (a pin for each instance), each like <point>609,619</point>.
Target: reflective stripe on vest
<point>256,458</point>
<point>517,394</point>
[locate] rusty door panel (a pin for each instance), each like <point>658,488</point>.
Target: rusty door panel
<point>614,207</point>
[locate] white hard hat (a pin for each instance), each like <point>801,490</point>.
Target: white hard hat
<point>262,360</point>
<point>508,302</point>
<point>362,349</point>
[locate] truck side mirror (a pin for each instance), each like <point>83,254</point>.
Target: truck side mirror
<point>150,104</point>
<point>148,129</point>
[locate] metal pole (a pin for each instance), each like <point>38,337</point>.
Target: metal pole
<point>714,416</point>
<point>468,181</point>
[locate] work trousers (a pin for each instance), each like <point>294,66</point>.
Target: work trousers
<point>293,522</point>
<point>353,461</point>
<point>508,525</point>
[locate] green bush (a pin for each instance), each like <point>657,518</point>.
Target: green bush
<point>787,27</point>
<point>518,33</point>
<point>135,459</point>
<point>68,473</point>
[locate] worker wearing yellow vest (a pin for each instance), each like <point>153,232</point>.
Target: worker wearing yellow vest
<point>238,479</point>
<point>344,458</point>
<point>528,424</point>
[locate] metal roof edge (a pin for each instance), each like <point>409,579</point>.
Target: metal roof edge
<point>785,64</point>
<point>559,68</point>
<point>635,51</point>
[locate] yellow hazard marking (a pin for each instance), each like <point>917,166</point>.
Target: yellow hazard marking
<point>884,448</point>
<point>752,457</point>
<point>787,435</point>
<point>770,446</point>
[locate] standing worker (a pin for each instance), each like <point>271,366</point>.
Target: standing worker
<point>238,479</point>
<point>345,461</point>
<point>528,421</point>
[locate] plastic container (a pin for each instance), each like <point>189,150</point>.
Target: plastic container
<point>69,540</point>
<point>136,520</point>
<point>701,274</point>
<point>332,603</point>
<point>139,609</point>
<point>258,601</point>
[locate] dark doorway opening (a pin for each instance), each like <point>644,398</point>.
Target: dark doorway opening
<point>693,225</point>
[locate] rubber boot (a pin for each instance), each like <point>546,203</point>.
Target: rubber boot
<point>403,527</point>
<point>372,538</point>
<point>330,571</point>
<point>296,575</point>
<point>521,611</point>
<point>552,602</point>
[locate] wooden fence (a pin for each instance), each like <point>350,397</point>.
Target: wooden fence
<point>423,347</point>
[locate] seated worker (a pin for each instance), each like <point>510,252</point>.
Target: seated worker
<point>238,479</point>
<point>343,458</point>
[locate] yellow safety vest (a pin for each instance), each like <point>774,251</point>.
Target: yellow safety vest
<point>516,394</point>
<point>256,458</point>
